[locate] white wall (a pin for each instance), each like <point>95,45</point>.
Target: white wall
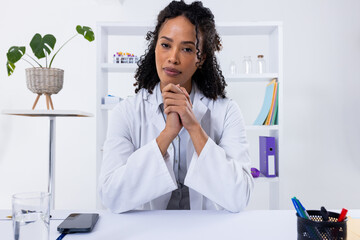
<point>320,163</point>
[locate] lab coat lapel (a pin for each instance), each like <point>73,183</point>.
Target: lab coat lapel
<point>157,120</point>
<point>154,112</point>
<point>200,108</point>
<point>200,105</point>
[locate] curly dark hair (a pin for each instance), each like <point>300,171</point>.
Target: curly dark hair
<point>208,77</point>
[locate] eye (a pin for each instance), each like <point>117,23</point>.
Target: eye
<point>188,50</point>
<point>165,45</point>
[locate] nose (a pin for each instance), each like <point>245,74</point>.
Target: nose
<point>174,56</point>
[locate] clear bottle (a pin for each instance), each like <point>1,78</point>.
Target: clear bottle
<point>260,64</point>
<point>247,64</point>
<point>232,68</point>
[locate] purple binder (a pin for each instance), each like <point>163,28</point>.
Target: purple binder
<point>268,163</point>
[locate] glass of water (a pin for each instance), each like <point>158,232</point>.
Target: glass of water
<point>31,215</point>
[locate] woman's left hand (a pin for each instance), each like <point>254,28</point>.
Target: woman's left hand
<point>177,99</point>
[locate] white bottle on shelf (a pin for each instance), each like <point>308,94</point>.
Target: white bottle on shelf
<point>260,64</point>
<point>247,65</point>
<point>232,68</point>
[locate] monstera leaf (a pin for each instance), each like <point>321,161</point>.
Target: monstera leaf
<point>10,67</point>
<point>40,44</point>
<point>86,32</point>
<point>13,55</point>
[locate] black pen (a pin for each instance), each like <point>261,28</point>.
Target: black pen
<point>324,213</point>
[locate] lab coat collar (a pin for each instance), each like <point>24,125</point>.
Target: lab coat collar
<point>200,104</point>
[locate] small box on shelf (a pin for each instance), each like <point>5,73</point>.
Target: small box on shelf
<point>110,99</point>
<point>109,102</point>
<point>122,57</point>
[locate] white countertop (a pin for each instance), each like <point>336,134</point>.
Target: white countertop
<point>181,225</point>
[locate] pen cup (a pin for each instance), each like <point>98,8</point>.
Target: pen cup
<point>317,228</point>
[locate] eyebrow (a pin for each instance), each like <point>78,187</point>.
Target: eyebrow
<point>183,42</point>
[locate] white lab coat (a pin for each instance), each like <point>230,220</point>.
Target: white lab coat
<point>135,175</point>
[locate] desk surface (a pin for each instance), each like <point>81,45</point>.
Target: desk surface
<point>47,113</point>
<point>262,224</point>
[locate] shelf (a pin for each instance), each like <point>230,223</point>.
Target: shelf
<point>265,37</point>
<point>266,77</point>
<point>125,28</point>
<point>130,68</point>
<point>119,67</point>
<point>247,28</point>
<point>224,28</point>
<point>262,127</point>
<point>266,179</point>
<point>108,106</point>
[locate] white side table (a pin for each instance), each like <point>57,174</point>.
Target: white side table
<point>52,114</point>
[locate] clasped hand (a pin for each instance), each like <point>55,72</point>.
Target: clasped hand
<point>178,108</point>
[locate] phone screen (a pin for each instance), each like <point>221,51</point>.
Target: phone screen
<point>78,222</point>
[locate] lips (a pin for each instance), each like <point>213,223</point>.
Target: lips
<point>172,72</point>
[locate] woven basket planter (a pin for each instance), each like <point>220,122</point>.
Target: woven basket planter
<point>44,80</point>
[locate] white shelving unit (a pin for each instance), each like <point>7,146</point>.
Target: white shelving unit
<point>244,39</point>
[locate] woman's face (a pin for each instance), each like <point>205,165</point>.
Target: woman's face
<point>175,52</point>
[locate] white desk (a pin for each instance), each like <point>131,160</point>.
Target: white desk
<point>180,225</point>
<point>52,114</point>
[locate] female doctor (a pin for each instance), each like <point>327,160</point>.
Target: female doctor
<point>179,143</point>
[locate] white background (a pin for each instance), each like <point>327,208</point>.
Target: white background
<point>320,156</point>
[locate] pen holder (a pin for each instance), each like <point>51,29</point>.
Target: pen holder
<point>317,228</point>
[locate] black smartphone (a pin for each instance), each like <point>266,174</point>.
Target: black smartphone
<point>78,222</point>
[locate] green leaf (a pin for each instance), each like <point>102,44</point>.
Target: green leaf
<point>87,32</point>
<point>15,54</point>
<point>40,44</point>
<point>10,67</point>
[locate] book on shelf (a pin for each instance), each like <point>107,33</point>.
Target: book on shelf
<point>269,109</point>
<point>272,115</point>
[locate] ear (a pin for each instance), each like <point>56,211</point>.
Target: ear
<point>203,58</point>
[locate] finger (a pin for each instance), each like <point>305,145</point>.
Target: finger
<point>186,94</point>
<point>171,88</point>
<point>174,102</point>
<point>181,110</point>
<point>170,109</point>
<point>177,99</point>
<point>178,96</point>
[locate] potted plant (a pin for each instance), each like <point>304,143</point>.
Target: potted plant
<point>43,79</point>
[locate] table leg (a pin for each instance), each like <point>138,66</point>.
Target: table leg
<point>51,183</point>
